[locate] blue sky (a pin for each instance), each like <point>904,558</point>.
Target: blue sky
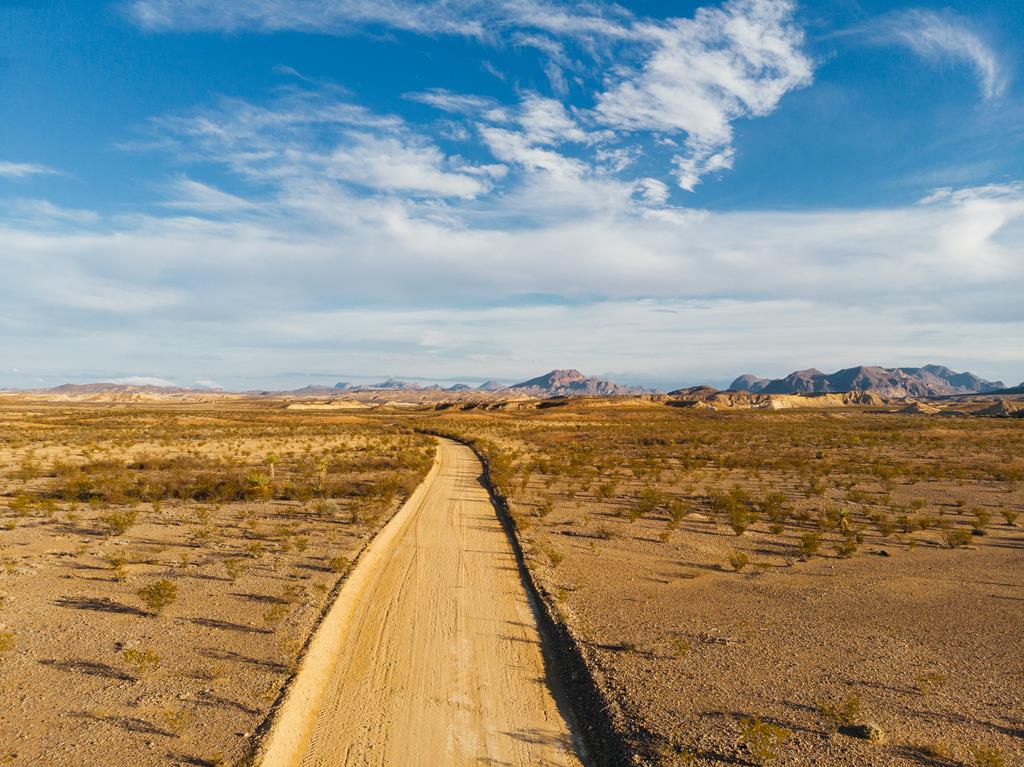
<point>275,192</point>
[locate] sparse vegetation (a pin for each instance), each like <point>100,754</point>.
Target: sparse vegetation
<point>140,660</point>
<point>738,560</point>
<point>158,595</point>
<point>985,756</point>
<point>625,512</point>
<point>844,711</point>
<point>118,522</point>
<point>761,739</point>
<point>339,564</point>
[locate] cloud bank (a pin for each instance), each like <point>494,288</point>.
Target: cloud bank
<point>307,231</point>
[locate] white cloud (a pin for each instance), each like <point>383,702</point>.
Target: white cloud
<point>946,37</point>
<point>24,169</point>
<point>546,121</point>
<point>691,78</point>
<point>704,73</point>
<point>460,103</point>
<point>313,135</point>
<point>45,213</point>
<point>474,18</point>
<point>196,196</point>
<point>643,286</point>
<point>392,164</point>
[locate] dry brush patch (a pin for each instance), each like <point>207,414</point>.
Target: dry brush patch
<point>799,560</point>
<point>162,566</point>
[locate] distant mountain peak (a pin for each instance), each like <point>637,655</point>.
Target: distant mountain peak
<point>572,382</point>
<point>925,381</point>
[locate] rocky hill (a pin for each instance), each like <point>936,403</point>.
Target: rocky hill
<point>559,383</point>
<point>927,381</point>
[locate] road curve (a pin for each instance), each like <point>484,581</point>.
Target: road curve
<point>431,655</point>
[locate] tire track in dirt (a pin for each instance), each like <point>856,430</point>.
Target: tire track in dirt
<point>431,654</point>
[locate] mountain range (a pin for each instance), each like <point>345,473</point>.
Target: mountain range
<point>926,381</point>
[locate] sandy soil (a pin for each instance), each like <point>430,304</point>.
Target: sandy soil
<point>919,639</point>
<point>440,661</point>
<point>251,576</point>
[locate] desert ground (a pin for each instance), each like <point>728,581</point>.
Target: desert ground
<point>163,568</point>
<point>828,588</point>
<point>838,586</point>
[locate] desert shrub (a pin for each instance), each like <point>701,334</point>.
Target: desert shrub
<point>545,508</point>
<point>762,740</point>
<point>260,484</point>
<point>176,719</point>
<point>982,518</point>
<point>740,518</point>
<point>555,557</point>
<point>844,711</point>
<point>738,560</point>
<point>885,525</point>
<point>158,595</point>
<point>118,522</point>
<point>234,567</point>
<point>810,544</point>
<point>1010,516</point>
<point>276,613</point>
<point>988,757</point>
<point>339,564</point>
<point>677,511</point>
<point>649,500</point>
<point>6,641</point>
<point>926,683</point>
<point>722,504</point>
<point>774,507</point>
<point>140,661</point>
<point>847,546</point>
<point>956,538</point>
<point>935,750</point>
<point>681,647</point>
<point>118,566</point>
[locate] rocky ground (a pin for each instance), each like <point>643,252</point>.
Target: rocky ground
<point>93,673</point>
<point>904,621</point>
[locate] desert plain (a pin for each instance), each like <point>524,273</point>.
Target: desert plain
<point>830,586</point>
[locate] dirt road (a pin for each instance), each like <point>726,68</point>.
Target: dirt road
<point>431,656</point>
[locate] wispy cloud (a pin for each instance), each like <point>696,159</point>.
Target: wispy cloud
<point>688,79</point>
<point>704,73</point>
<point>947,38</point>
<point>24,169</point>
<point>475,18</point>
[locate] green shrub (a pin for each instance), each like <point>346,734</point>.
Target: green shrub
<point>761,739</point>
<point>141,661</point>
<point>844,711</point>
<point>988,757</point>
<point>956,538</point>
<point>339,564</point>
<point>118,522</point>
<point>738,560</point>
<point>810,544</point>
<point>158,595</point>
